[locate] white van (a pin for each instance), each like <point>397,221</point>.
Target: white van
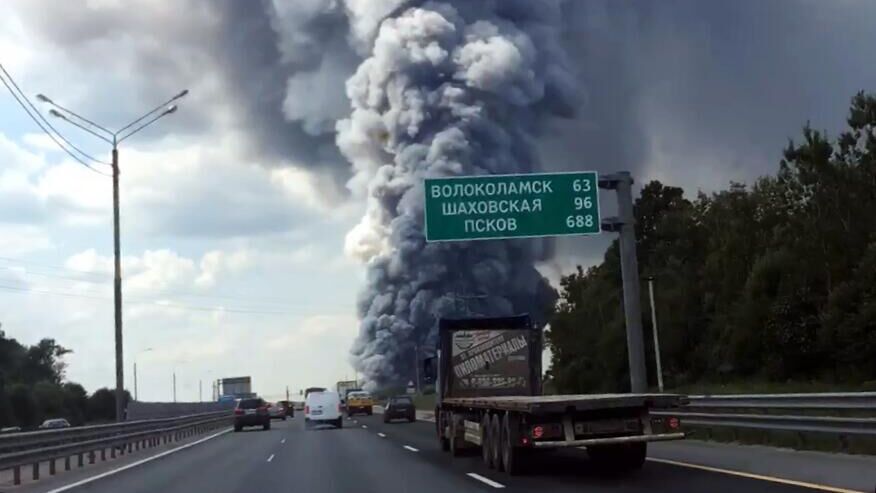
<point>323,408</point>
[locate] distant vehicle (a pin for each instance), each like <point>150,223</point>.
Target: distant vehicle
<point>240,387</point>
<point>359,401</point>
<point>289,407</point>
<point>10,429</point>
<point>51,424</point>
<point>323,408</point>
<point>344,387</point>
<point>277,411</point>
<point>251,412</point>
<point>399,407</point>
<point>313,389</point>
<point>299,406</point>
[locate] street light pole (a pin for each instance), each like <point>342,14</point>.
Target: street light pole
<point>136,394</point>
<point>656,338</point>
<point>117,287</point>
<point>114,139</point>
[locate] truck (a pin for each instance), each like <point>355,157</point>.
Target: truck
<point>488,381</point>
<point>238,387</point>
<point>344,387</point>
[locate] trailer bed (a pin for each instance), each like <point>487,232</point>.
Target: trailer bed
<point>537,404</point>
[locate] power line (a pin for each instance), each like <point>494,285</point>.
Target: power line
<point>43,128</point>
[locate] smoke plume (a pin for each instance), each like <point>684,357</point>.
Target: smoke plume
<point>448,88</point>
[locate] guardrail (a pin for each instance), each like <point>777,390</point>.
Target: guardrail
<point>23,449</point>
<point>716,411</point>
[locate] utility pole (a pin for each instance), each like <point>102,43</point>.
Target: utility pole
<point>114,139</point>
<point>621,182</point>
<point>417,367</point>
<point>117,285</point>
<point>656,338</point>
<point>200,397</point>
<point>287,393</point>
<point>136,396</point>
<point>174,385</point>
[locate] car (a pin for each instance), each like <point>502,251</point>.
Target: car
<point>400,407</point>
<point>251,412</point>
<point>323,408</point>
<point>51,424</point>
<point>359,401</point>
<point>289,407</point>
<point>277,411</point>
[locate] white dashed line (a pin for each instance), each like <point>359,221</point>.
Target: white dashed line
<point>283,441</point>
<point>412,449</point>
<point>365,426</point>
<point>485,480</point>
<point>271,458</point>
<point>381,435</point>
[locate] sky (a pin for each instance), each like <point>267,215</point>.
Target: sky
<point>235,209</point>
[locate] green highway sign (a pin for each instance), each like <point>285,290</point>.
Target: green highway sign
<point>512,206</point>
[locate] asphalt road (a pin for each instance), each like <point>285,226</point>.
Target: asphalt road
<point>370,456</point>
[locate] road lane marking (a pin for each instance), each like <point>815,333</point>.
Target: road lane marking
<point>772,479</point>
<point>381,435</point>
<point>365,426</point>
<point>283,441</point>
<point>271,458</point>
<point>135,464</point>
<point>412,449</point>
<point>485,480</point>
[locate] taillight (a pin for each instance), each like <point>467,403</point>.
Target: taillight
<point>263,409</point>
<point>306,409</point>
<point>238,411</point>
<point>674,423</point>
<point>339,407</point>
<point>537,432</point>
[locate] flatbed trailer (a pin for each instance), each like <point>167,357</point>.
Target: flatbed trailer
<point>614,428</point>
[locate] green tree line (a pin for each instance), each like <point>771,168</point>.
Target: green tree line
<point>33,387</point>
<point>772,282</point>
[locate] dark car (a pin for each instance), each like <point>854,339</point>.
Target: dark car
<point>399,407</point>
<point>289,408</point>
<point>251,412</point>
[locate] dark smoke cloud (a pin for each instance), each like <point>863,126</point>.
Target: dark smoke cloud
<point>450,88</point>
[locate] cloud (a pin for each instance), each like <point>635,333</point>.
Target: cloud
<point>215,263</point>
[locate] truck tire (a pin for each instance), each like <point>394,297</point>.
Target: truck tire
<point>619,458</point>
<point>496,443</point>
<point>511,454</point>
<point>456,441</point>
<point>266,426</point>
<point>486,441</point>
<point>339,423</point>
<point>440,419</point>
<point>238,427</point>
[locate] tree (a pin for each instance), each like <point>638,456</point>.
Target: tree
<point>774,281</point>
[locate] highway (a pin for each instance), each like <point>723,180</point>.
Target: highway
<point>370,456</point>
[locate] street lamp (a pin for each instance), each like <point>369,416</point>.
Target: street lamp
<point>114,139</point>
<point>175,363</point>
<point>650,280</point>
<point>136,395</point>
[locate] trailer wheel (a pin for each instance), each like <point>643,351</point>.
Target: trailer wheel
<point>456,441</point>
<point>440,419</point>
<point>511,455</point>
<point>496,443</point>
<point>619,458</point>
<point>486,441</point>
